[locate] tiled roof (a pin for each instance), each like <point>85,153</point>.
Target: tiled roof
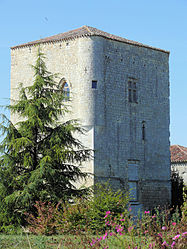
<point>81,32</point>
<point>178,153</point>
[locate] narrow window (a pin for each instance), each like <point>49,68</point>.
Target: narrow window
<point>132,91</point>
<point>94,84</point>
<point>65,89</point>
<point>133,178</point>
<point>133,191</point>
<point>143,130</point>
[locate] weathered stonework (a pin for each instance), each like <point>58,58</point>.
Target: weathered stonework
<point>130,139</point>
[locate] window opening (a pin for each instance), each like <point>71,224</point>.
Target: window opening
<point>132,91</point>
<point>65,89</point>
<point>94,84</point>
<point>143,131</point>
<point>133,191</point>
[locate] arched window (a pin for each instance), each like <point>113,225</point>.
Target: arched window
<point>65,89</point>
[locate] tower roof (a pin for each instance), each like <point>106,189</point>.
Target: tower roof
<point>83,32</point>
<point>178,153</point>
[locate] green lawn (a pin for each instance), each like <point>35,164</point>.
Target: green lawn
<point>44,242</point>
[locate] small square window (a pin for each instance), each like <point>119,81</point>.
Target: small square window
<point>94,84</point>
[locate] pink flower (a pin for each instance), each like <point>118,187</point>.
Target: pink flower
<point>146,231</point>
<point>154,216</point>
<point>93,242</point>
<point>111,234</point>
<point>104,237</point>
<point>173,223</point>
<point>147,212</point>
<point>122,219</point>
<point>164,228</point>
<point>107,213</point>
<point>99,238</point>
<point>165,243</point>
<point>130,209</point>
<point>183,234</point>
<point>119,230</point>
<point>172,245</point>
<point>176,237</point>
<point>160,235</point>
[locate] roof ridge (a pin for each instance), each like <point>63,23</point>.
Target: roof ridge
<point>85,26</point>
<point>86,31</point>
<point>181,149</point>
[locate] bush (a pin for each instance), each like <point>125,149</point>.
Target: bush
<point>46,221</point>
<point>106,199</point>
<point>84,214</point>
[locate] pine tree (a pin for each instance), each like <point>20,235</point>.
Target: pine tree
<point>40,156</point>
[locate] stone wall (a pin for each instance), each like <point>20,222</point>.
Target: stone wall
<point>114,126</point>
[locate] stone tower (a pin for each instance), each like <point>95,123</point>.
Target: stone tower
<point>120,93</point>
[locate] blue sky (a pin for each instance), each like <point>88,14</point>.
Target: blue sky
<point>158,23</point>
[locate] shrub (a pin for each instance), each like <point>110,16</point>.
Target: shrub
<point>74,217</point>
<point>46,220</point>
<point>106,199</point>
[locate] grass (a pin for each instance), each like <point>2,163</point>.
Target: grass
<point>52,242</point>
<point>44,242</point>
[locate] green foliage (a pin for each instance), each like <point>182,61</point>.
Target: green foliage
<point>106,199</point>
<point>177,185</point>
<point>75,216</point>
<point>184,207</point>
<point>85,214</point>
<point>40,157</point>
<point>46,220</point>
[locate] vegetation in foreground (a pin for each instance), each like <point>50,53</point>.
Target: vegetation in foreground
<point>40,156</point>
<point>160,229</point>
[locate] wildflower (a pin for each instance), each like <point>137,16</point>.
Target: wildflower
<point>122,219</point>
<point>172,245</point>
<point>93,242</point>
<point>183,234</point>
<point>173,223</point>
<point>176,237</point>
<point>160,235</point>
<point>154,216</point>
<point>130,209</point>
<point>146,231</point>
<point>119,229</point>
<point>107,213</point>
<point>104,237</point>
<point>111,234</point>
<point>165,243</point>
<point>164,228</point>
<point>147,212</point>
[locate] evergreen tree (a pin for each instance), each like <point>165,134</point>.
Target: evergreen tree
<point>40,157</point>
